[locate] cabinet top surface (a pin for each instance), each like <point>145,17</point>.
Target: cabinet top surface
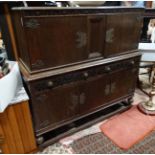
<point>78,8</point>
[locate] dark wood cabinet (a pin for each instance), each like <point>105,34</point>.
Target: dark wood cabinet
<point>51,38</point>
<point>76,62</point>
<point>58,99</point>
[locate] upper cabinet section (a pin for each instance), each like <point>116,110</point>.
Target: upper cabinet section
<point>49,38</point>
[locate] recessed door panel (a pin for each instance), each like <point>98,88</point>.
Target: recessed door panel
<point>94,93</point>
<point>122,33</point>
<point>54,106</point>
<point>56,41</point>
<point>123,82</point>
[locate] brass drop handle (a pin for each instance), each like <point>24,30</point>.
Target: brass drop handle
<point>132,62</point>
<point>107,68</point>
<point>50,84</point>
<point>85,74</point>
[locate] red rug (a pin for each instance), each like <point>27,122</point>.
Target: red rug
<point>128,128</point>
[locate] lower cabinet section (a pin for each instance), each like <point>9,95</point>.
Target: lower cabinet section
<point>62,98</point>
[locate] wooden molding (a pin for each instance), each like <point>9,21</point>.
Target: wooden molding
<point>11,31</point>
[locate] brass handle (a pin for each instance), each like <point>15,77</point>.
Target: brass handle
<point>50,84</point>
<point>107,68</point>
<point>132,62</point>
<point>110,35</point>
<point>85,74</point>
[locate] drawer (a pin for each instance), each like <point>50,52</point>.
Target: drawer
<point>46,84</point>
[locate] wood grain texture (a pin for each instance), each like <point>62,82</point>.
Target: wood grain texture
<point>16,128</point>
<point>61,38</point>
<point>11,31</point>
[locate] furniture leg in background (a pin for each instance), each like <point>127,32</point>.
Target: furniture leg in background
<point>148,107</point>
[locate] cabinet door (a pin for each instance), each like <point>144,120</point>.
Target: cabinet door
<point>54,106</point>
<point>131,30</point>
<point>123,82</point>
<point>122,33</point>
<point>96,35</point>
<point>56,40</point>
<point>94,93</point>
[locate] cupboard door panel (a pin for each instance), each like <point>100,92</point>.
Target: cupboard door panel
<point>122,35</point>
<point>55,106</point>
<point>55,41</point>
<point>123,82</point>
<point>132,24</point>
<point>94,93</point>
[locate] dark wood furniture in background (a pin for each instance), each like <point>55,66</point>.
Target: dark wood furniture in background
<point>76,62</point>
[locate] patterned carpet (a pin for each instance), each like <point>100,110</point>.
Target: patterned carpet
<point>100,144</point>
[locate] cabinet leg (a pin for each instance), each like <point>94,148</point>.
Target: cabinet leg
<point>128,101</point>
<point>40,140</point>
